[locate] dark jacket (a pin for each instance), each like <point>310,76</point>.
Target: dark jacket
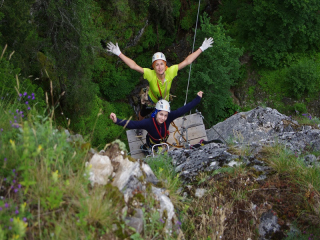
<point>149,124</point>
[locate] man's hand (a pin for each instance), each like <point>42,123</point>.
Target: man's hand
<point>206,44</point>
<point>113,48</point>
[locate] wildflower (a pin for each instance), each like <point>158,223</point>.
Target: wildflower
<point>13,170</point>
<point>24,219</point>
<point>10,122</point>
<point>19,185</point>
<point>33,98</point>
<point>20,95</point>
<point>32,94</point>
<point>5,159</point>
<point>29,97</point>
<point>161,220</point>
<point>0,208</point>
<point>25,93</point>
<point>17,211</point>
<point>29,108</point>
<point>21,112</point>
<point>1,129</point>
<point>16,190</point>
<point>17,111</point>
<point>10,227</point>
<point>26,103</point>
<point>6,205</point>
<point>11,219</point>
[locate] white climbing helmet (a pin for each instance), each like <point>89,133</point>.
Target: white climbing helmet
<point>158,56</point>
<point>163,105</point>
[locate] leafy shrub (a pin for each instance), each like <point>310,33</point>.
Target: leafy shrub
<point>300,107</point>
<point>8,79</point>
<point>214,71</point>
<point>303,78</point>
<point>273,31</point>
<point>42,172</point>
<point>13,88</point>
<point>114,83</point>
<point>98,127</point>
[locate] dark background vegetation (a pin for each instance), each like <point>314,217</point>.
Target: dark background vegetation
<point>266,52</point>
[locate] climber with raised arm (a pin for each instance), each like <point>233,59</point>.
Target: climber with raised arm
<point>160,78</point>
<point>158,125</point>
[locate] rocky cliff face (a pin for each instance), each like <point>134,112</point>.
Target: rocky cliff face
<point>246,132</point>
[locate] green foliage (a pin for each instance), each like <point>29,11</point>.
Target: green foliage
<point>11,88</point>
<point>19,33</point>
<point>214,72</point>
<point>303,78</point>
<point>98,126</point>
<point>8,80</point>
<point>189,20</point>
<point>274,30</point>
<point>300,107</point>
<point>310,233</point>
<point>229,10</point>
<point>69,39</point>
<point>114,83</point>
<point>161,14</point>
<point>189,12</point>
<point>290,163</point>
<point>272,81</point>
<point>300,81</point>
<point>40,168</point>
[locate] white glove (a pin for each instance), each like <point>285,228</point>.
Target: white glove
<point>206,44</point>
<point>114,48</point>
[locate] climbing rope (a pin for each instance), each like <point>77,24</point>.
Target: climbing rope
<point>176,131</point>
<point>194,40</point>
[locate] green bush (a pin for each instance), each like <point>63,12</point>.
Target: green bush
<point>8,81</point>
<point>300,108</point>
<point>214,72</point>
<point>41,172</point>
<point>273,31</point>
<point>97,127</point>
<point>114,83</point>
<point>303,79</point>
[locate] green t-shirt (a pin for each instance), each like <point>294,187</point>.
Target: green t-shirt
<point>151,76</point>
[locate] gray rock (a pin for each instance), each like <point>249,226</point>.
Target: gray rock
<point>268,225</point>
<point>136,223</point>
<point>310,159</point>
<point>200,192</point>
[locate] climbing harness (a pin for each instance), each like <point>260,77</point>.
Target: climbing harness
<point>166,132</point>
<point>161,97</point>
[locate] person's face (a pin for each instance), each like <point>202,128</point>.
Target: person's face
<point>162,116</point>
<point>159,67</point>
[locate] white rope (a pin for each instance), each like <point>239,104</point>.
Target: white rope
<point>194,39</point>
